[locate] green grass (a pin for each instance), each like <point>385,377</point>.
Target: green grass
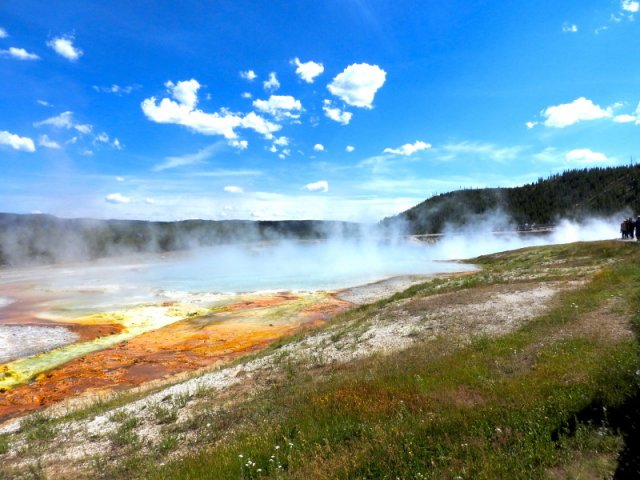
<point>164,414</point>
<point>124,434</point>
<point>38,428</point>
<point>4,444</point>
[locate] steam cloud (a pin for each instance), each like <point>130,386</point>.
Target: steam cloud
<point>340,257</point>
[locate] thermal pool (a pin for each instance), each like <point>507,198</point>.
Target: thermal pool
<point>114,324</point>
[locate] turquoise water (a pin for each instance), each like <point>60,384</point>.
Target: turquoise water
<point>290,266</point>
<point>228,269</point>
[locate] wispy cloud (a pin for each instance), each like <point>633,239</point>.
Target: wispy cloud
<point>45,141</point>
<point>227,173</point>
<point>488,151</point>
<point>189,159</point>
<point>117,89</point>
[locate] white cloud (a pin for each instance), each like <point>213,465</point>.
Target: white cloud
<point>3,33</point>
<point>45,141</point>
<point>335,114</point>
<point>319,186</point>
<point>182,111</point>
<point>116,144</point>
<point>308,71</point>
<point>272,84</point>
<point>17,142</point>
<point>119,179</point>
<point>349,148</point>
<point>530,125</point>
<point>189,159</point>
<point>357,84</point>
<point>280,106</point>
<point>569,27</point>
<point>18,53</point>
<point>185,92</point>
<point>567,114</point>
<point>233,189</point>
<point>624,118</point>
<point>318,147</point>
<point>117,198</point>
<point>585,155</point>
<point>246,95</point>
<point>239,144</point>
<point>631,6</point>
<point>149,201</point>
<point>44,103</point>
<point>249,75</point>
<point>64,47</point>
<point>282,141</point>
<point>257,123</point>
<point>409,148</point>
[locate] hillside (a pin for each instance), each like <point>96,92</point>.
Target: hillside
<point>574,194</point>
<point>28,239</point>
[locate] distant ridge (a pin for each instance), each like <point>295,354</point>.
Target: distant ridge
<point>574,194</point>
<point>42,239</point>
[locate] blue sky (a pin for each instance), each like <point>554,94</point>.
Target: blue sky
<point>339,109</point>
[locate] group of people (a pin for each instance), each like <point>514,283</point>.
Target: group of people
<point>628,226</point>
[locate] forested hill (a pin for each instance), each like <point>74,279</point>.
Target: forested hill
<point>33,239</point>
<point>574,194</point>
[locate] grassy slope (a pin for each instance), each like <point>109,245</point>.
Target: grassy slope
<point>509,407</point>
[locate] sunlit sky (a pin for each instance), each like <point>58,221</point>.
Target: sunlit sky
<point>338,109</point>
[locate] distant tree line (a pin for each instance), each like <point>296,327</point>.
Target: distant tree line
<point>574,194</point>
<point>41,239</point>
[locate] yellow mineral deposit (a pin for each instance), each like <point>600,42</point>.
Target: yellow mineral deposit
<point>158,341</point>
